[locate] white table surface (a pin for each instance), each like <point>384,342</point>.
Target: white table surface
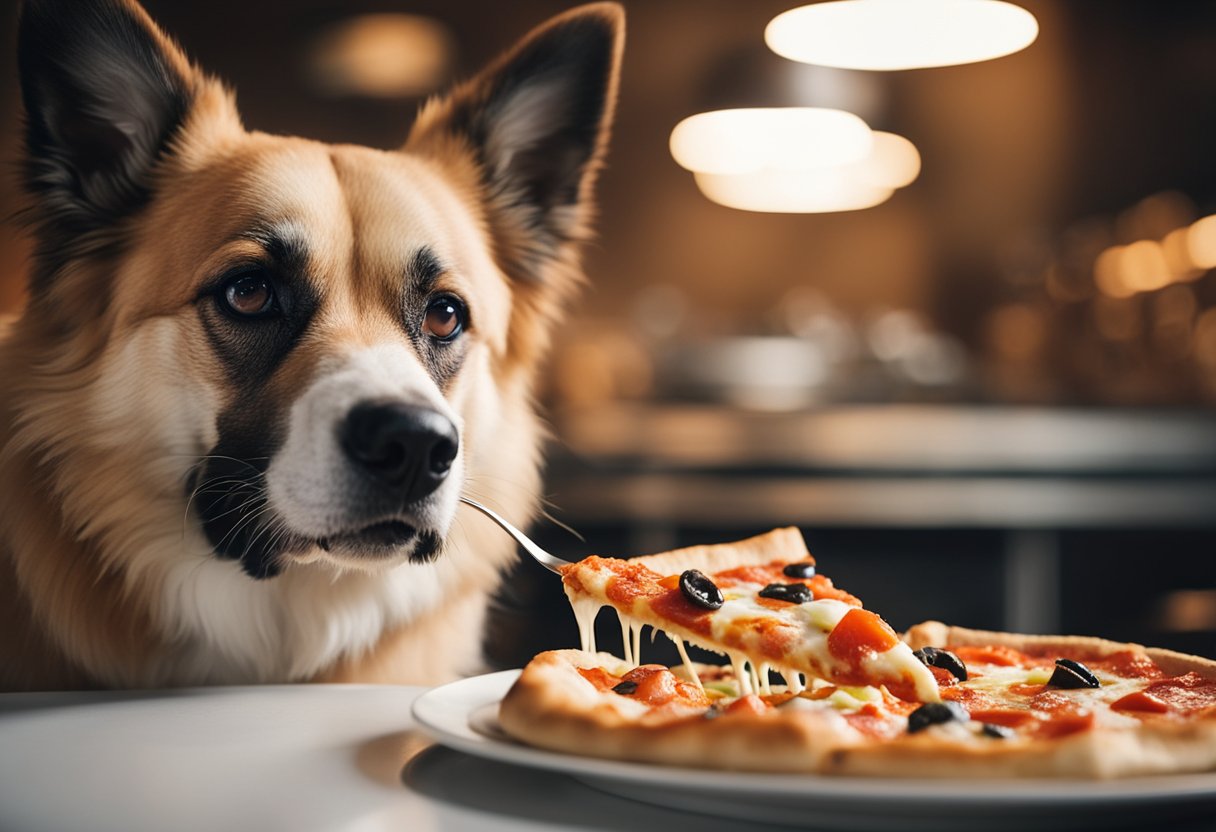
<point>330,757</point>
<point>320,757</point>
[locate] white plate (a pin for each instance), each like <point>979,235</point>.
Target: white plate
<point>463,715</point>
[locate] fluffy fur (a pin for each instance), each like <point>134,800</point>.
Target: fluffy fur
<point>172,494</point>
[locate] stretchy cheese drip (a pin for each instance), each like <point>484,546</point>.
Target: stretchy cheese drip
<point>793,680</point>
<point>679,643</point>
<point>743,679</point>
<point>765,686</point>
<point>636,633</point>
<point>631,658</point>
<point>585,611</point>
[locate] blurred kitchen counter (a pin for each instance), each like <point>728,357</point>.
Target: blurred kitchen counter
<point>889,465</point>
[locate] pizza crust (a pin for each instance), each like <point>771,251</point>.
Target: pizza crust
<point>785,545</point>
<point>552,706</point>
<point>937,634</point>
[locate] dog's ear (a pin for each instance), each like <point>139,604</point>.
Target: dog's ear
<point>104,90</point>
<point>536,121</point>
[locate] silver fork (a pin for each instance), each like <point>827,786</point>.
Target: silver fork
<point>542,557</point>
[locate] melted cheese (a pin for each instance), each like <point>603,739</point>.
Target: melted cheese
<point>743,676</point>
<point>900,662</point>
<point>995,679</point>
<point>585,612</point>
<point>692,674</point>
<point>629,656</point>
<point>814,620</point>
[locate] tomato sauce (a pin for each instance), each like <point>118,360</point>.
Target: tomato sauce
<point>1009,717</point>
<point>602,679</point>
<point>749,704</point>
<point>656,685</point>
<point>772,573</point>
<point>570,577</point>
<point>994,654</point>
<point>824,589</point>
<point>1186,694</point>
<point>776,638</point>
<point>1063,725</point>
<point>769,573</point>
<point>870,722</point>
<point>673,606</point>
<point>945,679</point>
<point>772,603</point>
<point>1127,664</point>
<point>969,698</point>
<point>1141,702</point>
<point>632,582</point>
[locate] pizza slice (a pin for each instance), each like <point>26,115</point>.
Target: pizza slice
<point>761,603</point>
<point>1012,706</point>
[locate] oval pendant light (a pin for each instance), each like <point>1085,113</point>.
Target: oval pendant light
<point>900,34</point>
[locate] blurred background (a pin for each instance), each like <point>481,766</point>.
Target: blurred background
<point>988,399</point>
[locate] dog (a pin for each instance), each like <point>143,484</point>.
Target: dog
<point>256,373</point>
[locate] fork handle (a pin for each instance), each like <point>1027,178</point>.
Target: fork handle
<point>542,557</point>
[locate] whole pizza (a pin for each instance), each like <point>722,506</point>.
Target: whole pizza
<point>814,682</point>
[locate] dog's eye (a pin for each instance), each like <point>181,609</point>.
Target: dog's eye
<point>249,296</point>
<point>444,319</point>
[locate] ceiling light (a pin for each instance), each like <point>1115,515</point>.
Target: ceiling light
<point>893,162</point>
<point>778,138</point>
<point>900,34</point>
<point>791,192</point>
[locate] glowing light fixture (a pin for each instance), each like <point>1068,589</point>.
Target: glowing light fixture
<point>900,34</point>
<point>791,192</point>
<point>777,138</point>
<point>794,184</point>
<point>893,162</point>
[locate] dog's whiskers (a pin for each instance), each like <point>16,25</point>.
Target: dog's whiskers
<point>276,529</point>
<point>244,521</point>
<point>254,492</point>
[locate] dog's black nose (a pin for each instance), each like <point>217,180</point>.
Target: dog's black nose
<point>404,446</point>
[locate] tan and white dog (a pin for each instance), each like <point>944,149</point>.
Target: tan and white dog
<point>256,373</point>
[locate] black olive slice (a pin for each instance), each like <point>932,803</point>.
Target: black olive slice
<point>700,590</point>
<point>997,732</point>
<point>937,657</point>
<point>793,593</point>
<point>625,688</point>
<point>1072,675</point>
<point>935,713</point>
<point>799,570</point>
